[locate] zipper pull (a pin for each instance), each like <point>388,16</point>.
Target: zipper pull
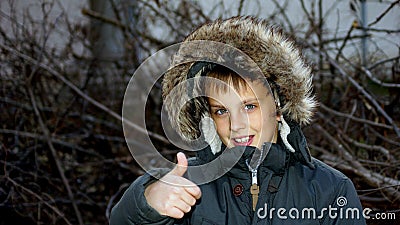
<point>254,189</point>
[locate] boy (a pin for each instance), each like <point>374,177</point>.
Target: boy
<point>274,180</point>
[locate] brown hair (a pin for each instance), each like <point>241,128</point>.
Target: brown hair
<point>226,79</point>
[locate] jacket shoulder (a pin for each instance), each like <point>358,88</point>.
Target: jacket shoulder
<point>327,183</point>
<point>331,173</point>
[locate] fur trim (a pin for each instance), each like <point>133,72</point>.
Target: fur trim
<point>210,134</point>
<point>284,132</point>
<point>276,56</point>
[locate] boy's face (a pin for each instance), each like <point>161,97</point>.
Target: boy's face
<point>246,117</point>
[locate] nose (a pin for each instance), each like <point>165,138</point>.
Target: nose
<point>239,121</point>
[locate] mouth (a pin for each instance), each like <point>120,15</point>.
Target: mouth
<point>243,140</point>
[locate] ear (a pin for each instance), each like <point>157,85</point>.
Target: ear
<point>278,117</point>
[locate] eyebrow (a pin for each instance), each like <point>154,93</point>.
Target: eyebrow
<point>216,105</point>
<point>250,100</point>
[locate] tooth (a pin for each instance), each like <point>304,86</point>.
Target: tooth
<point>242,140</point>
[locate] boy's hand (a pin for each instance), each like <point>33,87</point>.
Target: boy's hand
<point>173,195</point>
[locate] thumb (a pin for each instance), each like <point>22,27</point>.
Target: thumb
<point>181,166</point>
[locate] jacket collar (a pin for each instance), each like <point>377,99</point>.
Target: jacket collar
<point>277,159</point>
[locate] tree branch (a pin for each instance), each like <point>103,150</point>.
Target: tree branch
<point>359,88</point>
<point>376,80</point>
<point>360,120</point>
<point>384,13</point>
<point>40,199</point>
<point>83,95</point>
<point>55,156</point>
<point>374,179</point>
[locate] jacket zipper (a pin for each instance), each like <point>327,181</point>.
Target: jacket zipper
<point>254,189</point>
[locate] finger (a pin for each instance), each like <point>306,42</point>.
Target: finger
<point>194,191</point>
<point>174,212</point>
<point>188,198</point>
<point>188,186</point>
<point>181,167</point>
<point>182,205</point>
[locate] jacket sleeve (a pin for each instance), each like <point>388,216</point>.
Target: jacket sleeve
<point>345,207</point>
<point>133,209</point>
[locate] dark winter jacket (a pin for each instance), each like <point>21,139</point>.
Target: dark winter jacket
<point>294,189</point>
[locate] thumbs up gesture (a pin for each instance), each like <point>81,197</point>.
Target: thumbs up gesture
<point>173,195</point>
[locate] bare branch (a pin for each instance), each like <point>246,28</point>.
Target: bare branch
<point>83,95</point>
<point>346,38</point>
<point>376,80</point>
<point>55,156</point>
<point>384,13</point>
<point>53,208</point>
<point>359,88</point>
<point>374,179</point>
<point>364,121</point>
<point>383,62</point>
<point>389,31</point>
<point>44,138</point>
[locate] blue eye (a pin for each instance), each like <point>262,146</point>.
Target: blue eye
<point>220,112</point>
<point>249,107</point>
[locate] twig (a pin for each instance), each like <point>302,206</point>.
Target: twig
<point>378,163</point>
<point>383,150</point>
<point>310,19</point>
<point>376,80</point>
<point>346,38</point>
<point>388,140</point>
<point>326,108</point>
<point>371,199</point>
<point>165,18</point>
<point>378,30</point>
<point>83,95</point>
<point>359,88</point>
<point>347,121</point>
<point>43,138</point>
<point>377,189</point>
<point>384,13</point>
<point>40,199</point>
<point>198,10</point>
<point>383,61</point>
<point>240,8</point>
<point>374,179</point>
<point>339,163</point>
<point>54,154</point>
<point>282,11</point>
<point>100,17</point>
<point>340,39</point>
<point>21,105</point>
<point>118,17</point>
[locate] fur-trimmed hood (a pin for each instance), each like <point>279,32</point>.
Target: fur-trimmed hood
<point>277,57</point>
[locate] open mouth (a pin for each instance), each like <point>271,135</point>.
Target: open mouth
<point>243,141</point>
